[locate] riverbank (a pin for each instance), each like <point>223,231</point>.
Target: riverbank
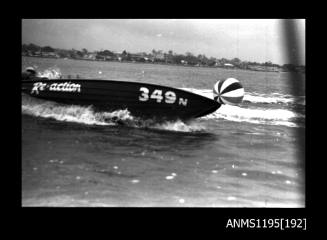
<point>251,68</point>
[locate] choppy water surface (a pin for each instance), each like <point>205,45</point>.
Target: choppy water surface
<point>250,155</point>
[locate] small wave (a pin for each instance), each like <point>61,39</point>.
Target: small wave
<point>58,112</point>
<point>274,98</point>
<point>86,115</point>
<point>180,126</point>
<point>253,97</point>
<point>51,73</point>
<point>257,116</point>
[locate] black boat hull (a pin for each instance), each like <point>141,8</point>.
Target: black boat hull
<point>141,99</point>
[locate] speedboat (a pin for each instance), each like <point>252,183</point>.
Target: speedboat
<point>142,100</point>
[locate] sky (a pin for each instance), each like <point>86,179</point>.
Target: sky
<point>259,40</point>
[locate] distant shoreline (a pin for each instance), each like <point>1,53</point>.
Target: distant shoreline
<point>170,64</point>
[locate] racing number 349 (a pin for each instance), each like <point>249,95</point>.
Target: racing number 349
<point>169,96</point>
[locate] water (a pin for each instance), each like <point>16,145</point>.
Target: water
<point>250,155</point>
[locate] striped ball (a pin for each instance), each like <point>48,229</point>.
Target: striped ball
<point>228,91</point>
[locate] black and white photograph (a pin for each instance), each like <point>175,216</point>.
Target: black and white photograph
<point>186,113</point>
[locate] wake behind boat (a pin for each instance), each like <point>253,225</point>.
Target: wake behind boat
<point>140,99</point>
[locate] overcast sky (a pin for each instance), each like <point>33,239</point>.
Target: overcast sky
<point>257,40</point>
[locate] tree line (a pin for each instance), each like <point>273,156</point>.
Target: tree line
<point>156,56</point>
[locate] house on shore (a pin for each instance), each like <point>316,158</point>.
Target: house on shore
<point>50,54</point>
<point>228,65</point>
<point>263,68</point>
<point>90,56</point>
<point>139,57</point>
